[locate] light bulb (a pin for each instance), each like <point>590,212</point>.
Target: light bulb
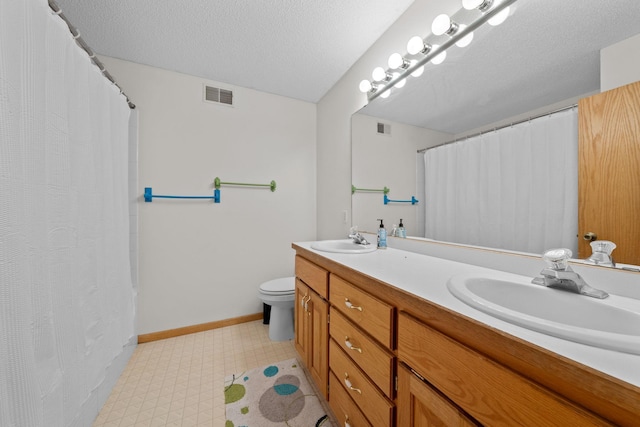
<point>365,86</point>
<point>471,4</point>
<point>500,17</point>
<point>439,59</point>
<point>441,25</point>
<point>384,94</point>
<point>476,4</point>
<point>401,83</point>
<point>466,40</point>
<point>415,45</point>
<point>418,71</point>
<point>396,61</point>
<point>379,74</point>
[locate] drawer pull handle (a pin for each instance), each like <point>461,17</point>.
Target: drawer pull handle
<point>346,421</point>
<point>351,306</point>
<point>347,382</point>
<point>350,346</point>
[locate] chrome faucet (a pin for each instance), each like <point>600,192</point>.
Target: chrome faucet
<point>559,275</point>
<point>601,253</point>
<point>357,237</point>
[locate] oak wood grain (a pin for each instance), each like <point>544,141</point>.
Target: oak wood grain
<point>609,397</point>
<point>372,315</point>
<point>376,407</point>
<point>609,172</point>
<point>492,394</point>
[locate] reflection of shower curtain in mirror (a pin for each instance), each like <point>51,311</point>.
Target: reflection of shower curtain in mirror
<point>515,188</point>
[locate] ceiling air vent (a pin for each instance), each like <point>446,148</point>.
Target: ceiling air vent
<point>384,129</point>
<point>215,94</point>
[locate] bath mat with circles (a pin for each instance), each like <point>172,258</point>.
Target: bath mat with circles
<point>278,394</point>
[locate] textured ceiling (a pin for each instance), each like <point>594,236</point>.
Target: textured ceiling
<point>293,48</point>
<point>547,51</point>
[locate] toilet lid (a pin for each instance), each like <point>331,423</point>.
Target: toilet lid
<point>283,285</point>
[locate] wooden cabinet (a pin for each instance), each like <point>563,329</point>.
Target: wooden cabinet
<point>376,361</point>
<point>301,320</point>
<point>344,408</point>
<point>394,359</point>
<point>372,315</point>
<point>311,321</point>
<point>464,376</point>
<point>359,387</point>
<point>420,405</point>
<point>361,354</point>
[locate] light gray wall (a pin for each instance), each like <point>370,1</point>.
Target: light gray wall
<point>201,261</point>
<point>620,64</point>
<point>344,99</point>
<point>387,160</point>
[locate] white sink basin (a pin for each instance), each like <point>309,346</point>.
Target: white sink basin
<point>612,323</point>
<point>345,246</point>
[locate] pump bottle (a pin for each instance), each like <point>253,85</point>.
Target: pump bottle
<point>401,231</point>
<point>382,236</point>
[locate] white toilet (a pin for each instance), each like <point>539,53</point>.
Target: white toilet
<point>280,295</point>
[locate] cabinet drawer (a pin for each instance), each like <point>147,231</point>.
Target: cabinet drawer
<point>372,315</point>
<point>363,392</point>
<point>315,277</point>
<point>345,409</point>
<point>371,357</point>
<point>489,392</point>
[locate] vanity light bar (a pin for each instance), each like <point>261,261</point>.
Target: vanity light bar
<point>459,34</point>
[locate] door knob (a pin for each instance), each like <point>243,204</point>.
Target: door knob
<point>590,236</point>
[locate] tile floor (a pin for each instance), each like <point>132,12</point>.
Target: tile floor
<point>180,381</point>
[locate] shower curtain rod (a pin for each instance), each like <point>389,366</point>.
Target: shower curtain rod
<point>569,107</point>
<point>76,35</point>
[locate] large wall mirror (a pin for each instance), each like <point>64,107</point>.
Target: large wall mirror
<point>544,57</point>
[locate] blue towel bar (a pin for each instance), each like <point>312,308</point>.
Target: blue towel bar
<point>387,200</point>
<point>148,196</point>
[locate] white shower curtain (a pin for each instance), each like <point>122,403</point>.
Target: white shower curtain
<point>515,188</point>
<point>66,296</point>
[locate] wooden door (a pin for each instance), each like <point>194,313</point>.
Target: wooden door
<point>420,405</point>
<point>609,173</point>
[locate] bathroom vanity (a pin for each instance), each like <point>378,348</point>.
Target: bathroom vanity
<point>389,345</point>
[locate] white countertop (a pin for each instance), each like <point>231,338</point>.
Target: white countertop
<point>426,277</point>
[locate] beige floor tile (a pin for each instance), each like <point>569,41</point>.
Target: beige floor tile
<point>179,381</point>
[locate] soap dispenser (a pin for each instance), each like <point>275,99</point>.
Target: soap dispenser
<point>401,231</point>
<point>382,236</point>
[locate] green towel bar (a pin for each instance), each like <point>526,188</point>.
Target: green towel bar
<point>217,183</point>
<point>385,190</point>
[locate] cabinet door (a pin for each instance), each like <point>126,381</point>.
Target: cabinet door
<point>301,321</point>
<point>419,405</point>
<point>318,354</point>
<point>491,393</point>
